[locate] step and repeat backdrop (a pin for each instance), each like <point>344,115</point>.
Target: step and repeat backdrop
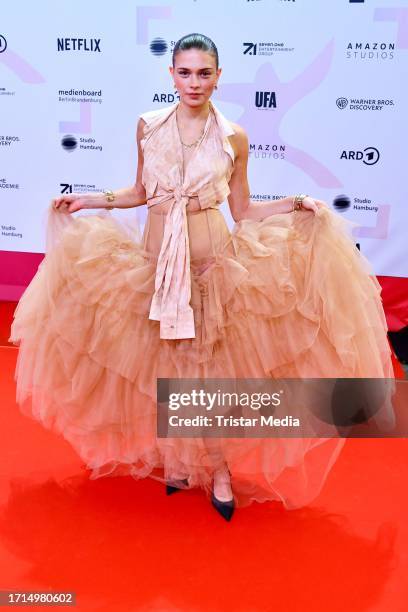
<point>319,87</point>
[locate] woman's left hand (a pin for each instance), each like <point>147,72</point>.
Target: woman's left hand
<point>309,203</point>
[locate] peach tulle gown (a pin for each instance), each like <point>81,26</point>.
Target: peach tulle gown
<point>109,312</point>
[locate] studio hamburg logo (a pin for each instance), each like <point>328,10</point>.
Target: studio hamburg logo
<point>3,44</point>
<point>341,202</point>
<point>158,46</point>
<point>69,143</point>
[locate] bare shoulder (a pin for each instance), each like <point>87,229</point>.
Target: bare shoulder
<point>239,140</point>
<point>240,133</point>
<point>140,128</point>
<point>141,123</point>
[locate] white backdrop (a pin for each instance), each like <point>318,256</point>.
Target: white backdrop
<point>319,86</point>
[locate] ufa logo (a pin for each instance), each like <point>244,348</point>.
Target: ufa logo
<point>369,156</point>
<point>265,99</point>
<point>3,44</point>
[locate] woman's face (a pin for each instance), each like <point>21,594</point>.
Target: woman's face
<point>195,76</point>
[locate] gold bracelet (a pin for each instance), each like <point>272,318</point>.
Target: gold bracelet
<point>297,201</point>
<point>110,197</point>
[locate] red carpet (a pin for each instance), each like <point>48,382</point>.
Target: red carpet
<point>123,545</point>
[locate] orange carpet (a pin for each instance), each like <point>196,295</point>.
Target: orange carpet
<point>123,545</point>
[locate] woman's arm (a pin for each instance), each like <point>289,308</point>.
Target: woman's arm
<point>128,197</point>
<point>241,206</point>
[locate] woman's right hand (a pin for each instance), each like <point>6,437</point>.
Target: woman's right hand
<point>72,202</point>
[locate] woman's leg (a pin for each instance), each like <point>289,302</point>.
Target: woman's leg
<point>222,484</point>
<point>221,475</point>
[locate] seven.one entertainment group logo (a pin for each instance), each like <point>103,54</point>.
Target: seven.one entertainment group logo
<point>265,48</point>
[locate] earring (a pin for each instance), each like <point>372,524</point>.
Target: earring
<point>215,86</point>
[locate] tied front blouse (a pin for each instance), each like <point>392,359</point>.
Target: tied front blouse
<point>206,176</point>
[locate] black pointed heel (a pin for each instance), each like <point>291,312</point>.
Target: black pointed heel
<point>170,489</point>
<point>225,508</point>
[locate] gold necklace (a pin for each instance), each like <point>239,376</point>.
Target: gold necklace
<point>193,144</point>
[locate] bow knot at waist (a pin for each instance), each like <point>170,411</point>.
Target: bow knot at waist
<point>180,193</point>
<point>163,194</point>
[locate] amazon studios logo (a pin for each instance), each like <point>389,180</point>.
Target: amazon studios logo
<point>3,44</point>
<point>370,50</point>
<point>369,156</point>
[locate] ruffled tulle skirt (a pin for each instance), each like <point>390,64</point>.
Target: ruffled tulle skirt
<point>287,297</point>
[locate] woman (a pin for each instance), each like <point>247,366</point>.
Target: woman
<point>285,294</point>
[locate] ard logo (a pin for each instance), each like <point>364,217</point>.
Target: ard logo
<point>3,44</point>
<point>369,156</point>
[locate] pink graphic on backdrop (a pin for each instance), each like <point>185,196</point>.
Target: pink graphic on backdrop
<point>84,125</point>
<point>143,16</point>
<point>380,229</point>
<point>289,94</point>
<point>400,15</point>
<point>21,68</point>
